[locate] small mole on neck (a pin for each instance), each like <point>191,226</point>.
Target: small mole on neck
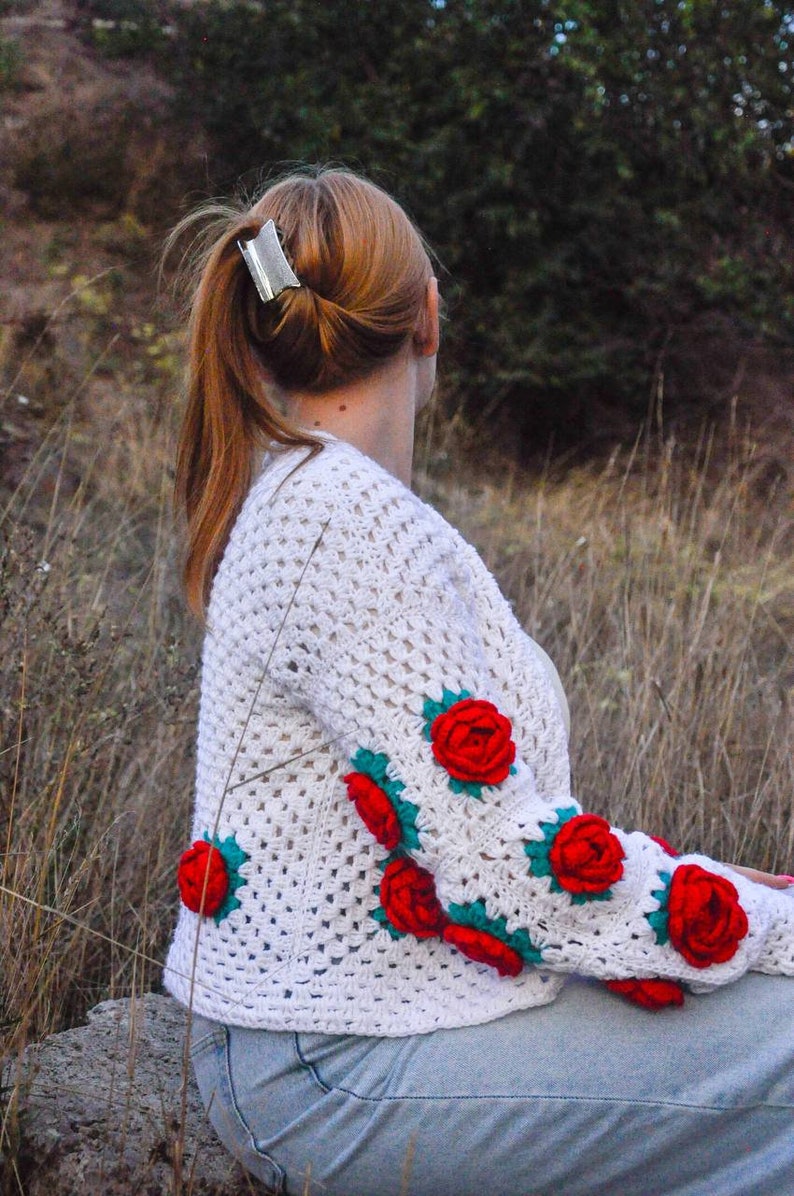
<point>343,407</point>
<point>317,423</point>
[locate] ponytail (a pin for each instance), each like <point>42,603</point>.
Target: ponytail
<point>228,419</point>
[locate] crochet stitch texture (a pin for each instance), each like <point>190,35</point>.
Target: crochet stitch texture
<point>344,610</point>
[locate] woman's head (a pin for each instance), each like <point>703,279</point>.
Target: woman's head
<point>364,273</point>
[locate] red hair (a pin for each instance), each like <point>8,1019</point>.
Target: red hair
<point>363,270</point>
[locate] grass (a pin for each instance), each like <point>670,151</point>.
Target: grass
<point>97,724</point>
<point>659,583</point>
<point>97,669</point>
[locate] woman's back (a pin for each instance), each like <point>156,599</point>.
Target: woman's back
<point>323,561</point>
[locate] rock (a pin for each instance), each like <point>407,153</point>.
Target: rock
<point>98,1110</point>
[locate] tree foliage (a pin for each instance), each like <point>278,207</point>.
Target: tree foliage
<point>598,177</point>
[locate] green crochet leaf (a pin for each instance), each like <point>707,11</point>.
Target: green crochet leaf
<point>230,903</point>
<point>431,709</point>
<point>473,788</point>
<point>538,854</point>
<point>233,857</point>
<point>583,898</point>
<point>659,917</point>
<point>407,812</point>
<point>382,918</point>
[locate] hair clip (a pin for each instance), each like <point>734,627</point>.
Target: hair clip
<point>265,259</point>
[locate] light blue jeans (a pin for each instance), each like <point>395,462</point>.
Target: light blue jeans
<point>588,1096</point>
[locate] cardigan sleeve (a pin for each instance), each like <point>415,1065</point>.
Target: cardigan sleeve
<point>379,642</point>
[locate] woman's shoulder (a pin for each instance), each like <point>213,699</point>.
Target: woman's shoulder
<point>332,530</point>
<point>340,486</point>
<point>337,519</point>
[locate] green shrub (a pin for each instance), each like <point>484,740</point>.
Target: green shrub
<point>76,160</point>
<point>10,62</point>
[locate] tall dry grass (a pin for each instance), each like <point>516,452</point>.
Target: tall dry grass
<point>97,676</point>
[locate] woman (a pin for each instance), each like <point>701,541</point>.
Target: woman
<point>390,881</point>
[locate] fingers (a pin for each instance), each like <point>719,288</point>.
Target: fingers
<point>763,878</point>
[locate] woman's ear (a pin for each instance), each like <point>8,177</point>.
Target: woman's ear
<point>426,336</point>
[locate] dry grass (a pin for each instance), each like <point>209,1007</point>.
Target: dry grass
<point>97,676</point>
<point>664,592</point>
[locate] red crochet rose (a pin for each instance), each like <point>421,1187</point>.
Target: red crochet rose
<point>472,742</point>
<point>374,808</point>
<point>408,895</point>
<point>650,994</point>
<point>665,846</point>
<point>199,864</point>
<point>706,923</point>
<point>585,856</point>
<point>484,948</point>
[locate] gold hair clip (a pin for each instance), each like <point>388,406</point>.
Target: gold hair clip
<point>265,259</point>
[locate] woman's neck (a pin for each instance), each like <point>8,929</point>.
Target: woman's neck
<point>376,414</point>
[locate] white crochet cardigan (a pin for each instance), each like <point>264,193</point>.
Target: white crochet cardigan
<point>352,633</point>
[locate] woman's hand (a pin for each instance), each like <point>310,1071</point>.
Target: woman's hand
<point>764,878</point>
